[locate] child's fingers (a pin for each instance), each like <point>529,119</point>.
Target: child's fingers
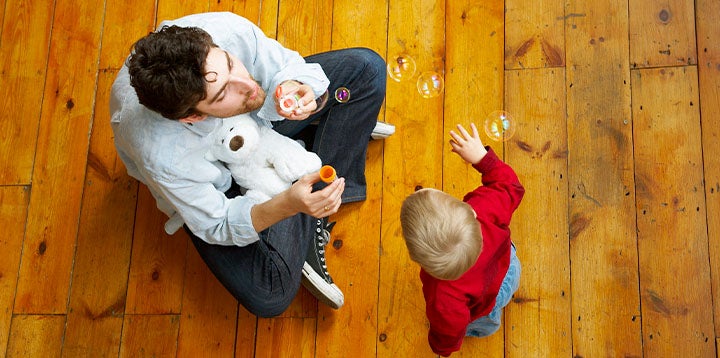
<point>456,137</point>
<point>462,130</point>
<point>455,146</point>
<point>474,130</point>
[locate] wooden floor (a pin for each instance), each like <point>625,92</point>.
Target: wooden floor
<point>617,106</point>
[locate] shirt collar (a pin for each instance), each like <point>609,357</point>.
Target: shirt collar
<point>204,127</point>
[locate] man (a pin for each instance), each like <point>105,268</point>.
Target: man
<point>176,87</point>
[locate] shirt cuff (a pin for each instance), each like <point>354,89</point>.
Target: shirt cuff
<point>242,231</point>
<point>488,162</point>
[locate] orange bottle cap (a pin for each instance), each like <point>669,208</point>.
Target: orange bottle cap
<point>327,174</point>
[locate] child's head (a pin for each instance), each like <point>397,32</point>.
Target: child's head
<point>441,233</point>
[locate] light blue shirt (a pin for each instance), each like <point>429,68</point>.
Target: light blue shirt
<point>168,155</point>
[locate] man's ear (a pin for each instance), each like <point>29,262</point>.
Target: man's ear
<point>193,118</point>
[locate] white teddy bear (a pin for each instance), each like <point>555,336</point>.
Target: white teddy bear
<point>260,160</point>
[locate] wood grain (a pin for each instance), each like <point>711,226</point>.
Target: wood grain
<point>157,268</point>
<point>708,31</point>
<point>149,336</point>
<point>246,328</point>
<point>13,212</point>
<point>603,241</point>
<point>36,336</point>
<point>24,52</point>
<point>538,320</point>
<point>288,337</point>
<point>672,239</point>
<point>535,39</point>
<point>61,159</point>
<point>2,12</point>
<point>670,27</point>
<point>209,312</point>
<point>170,10</point>
<point>102,258</point>
<point>302,26</point>
<point>100,274</point>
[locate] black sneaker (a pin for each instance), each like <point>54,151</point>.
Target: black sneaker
<point>316,278</point>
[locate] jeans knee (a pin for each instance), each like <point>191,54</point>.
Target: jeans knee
<point>268,307</point>
<point>268,313</point>
<point>267,302</point>
<point>373,68</point>
<point>480,332</point>
<point>367,56</point>
<point>482,328</point>
<point>375,61</point>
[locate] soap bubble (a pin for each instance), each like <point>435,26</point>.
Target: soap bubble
<point>321,102</point>
<point>499,126</point>
<point>430,84</point>
<point>342,94</point>
<point>401,67</point>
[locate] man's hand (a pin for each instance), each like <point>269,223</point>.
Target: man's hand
<point>469,147</point>
<point>299,199</point>
<point>302,93</point>
<point>320,203</point>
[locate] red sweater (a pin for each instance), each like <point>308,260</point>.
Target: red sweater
<point>451,305</point>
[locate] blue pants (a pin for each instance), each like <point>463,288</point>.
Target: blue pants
<point>487,325</point>
<point>265,276</point>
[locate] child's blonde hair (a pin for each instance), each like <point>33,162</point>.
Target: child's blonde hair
<point>441,233</point>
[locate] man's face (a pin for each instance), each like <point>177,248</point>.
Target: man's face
<point>230,89</point>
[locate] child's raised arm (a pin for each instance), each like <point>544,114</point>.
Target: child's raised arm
<point>469,147</point>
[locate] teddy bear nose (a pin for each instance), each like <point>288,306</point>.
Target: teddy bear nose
<point>236,143</point>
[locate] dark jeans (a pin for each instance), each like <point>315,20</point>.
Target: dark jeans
<point>265,276</point>
<point>344,128</point>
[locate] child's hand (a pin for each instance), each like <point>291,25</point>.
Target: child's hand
<point>469,147</point>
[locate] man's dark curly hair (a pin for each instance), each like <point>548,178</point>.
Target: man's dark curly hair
<point>167,70</point>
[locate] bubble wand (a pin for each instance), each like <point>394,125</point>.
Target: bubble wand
<point>327,174</point>
<point>288,102</point>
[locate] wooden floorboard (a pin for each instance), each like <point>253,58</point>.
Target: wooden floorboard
<point>666,120</point>
<point>539,321</point>
<point>601,202</point>
<point>708,16</point>
<point>617,107</point>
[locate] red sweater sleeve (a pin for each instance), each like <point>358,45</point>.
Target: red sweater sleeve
<point>448,314</point>
<point>445,344</point>
<point>501,189</point>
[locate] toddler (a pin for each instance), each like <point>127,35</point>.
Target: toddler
<point>469,268</point>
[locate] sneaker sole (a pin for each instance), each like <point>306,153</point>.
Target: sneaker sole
<point>332,297</point>
<point>382,130</point>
